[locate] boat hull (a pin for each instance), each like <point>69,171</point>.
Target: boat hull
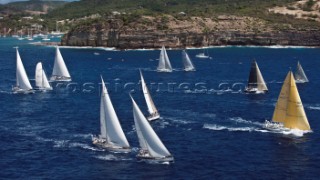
<point>255,91</point>
<point>167,159</point>
<point>112,148</point>
<point>189,69</point>
<point>17,90</point>
<point>202,57</point>
<point>299,81</point>
<point>60,79</point>
<point>153,117</point>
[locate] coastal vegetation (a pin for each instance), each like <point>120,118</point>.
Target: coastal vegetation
<point>83,19</point>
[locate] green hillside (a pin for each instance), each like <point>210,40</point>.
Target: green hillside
<point>201,8</point>
<point>16,8</point>
<point>191,7</point>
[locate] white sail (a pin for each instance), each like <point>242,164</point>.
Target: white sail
<point>60,71</point>
<point>164,62</point>
<point>103,126</point>
<point>299,75</point>
<point>148,139</point>
<point>110,125</point>
<point>23,82</point>
<point>188,65</point>
<point>151,107</point>
<point>260,81</point>
<point>256,82</point>
<point>41,78</point>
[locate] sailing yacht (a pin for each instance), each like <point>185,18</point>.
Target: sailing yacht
<point>20,38</point>
<point>111,135</point>
<point>203,55</point>
<point>188,65</point>
<point>151,147</point>
<point>299,75</point>
<point>164,62</point>
<point>256,83</point>
<point>289,111</point>
<point>22,82</point>
<point>30,36</point>
<point>45,38</point>
<point>41,78</point>
<point>60,71</point>
<point>15,35</point>
<point>154,114</point>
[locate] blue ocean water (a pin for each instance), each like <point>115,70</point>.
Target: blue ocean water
<point>212,129</point>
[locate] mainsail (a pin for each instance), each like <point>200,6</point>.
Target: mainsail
<point>164,62</point>
<point>60,71</point>
<point>151,107</point>
<point>41,78</point>
<point>299,75</point>
<point>188,65</point>
<point>148,139</point>
<point>110,127</point>
<point>289,109</point>
<point>256,81</point>
<point>23,82</point>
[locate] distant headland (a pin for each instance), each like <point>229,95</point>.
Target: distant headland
<point>145,24</point>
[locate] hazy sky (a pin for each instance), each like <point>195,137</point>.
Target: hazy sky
<point>8,1</point>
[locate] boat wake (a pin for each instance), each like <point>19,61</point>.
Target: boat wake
<point>84,146</point>
<point>219,128</point>
<point>278,128</point>
<point>213,91</point>
<point>266,127</point>
<point>5,92</point>
<point>313,107</point>
<point>275,82</point>
<point>112,157</point>
<point>84,136</point>
<point>154,162</point>
<point>240,120</point>
<point>70,144</point>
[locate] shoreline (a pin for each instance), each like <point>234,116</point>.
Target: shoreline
<point>53,44</point>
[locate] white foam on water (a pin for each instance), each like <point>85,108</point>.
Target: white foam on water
<point>5,92</point>
<point>266,127</point>
<point>224,91</point>
<point>143,49</point>
<point>111,157</point>
<point>135,149</point>
<point>153,162</point>
<point>108,157</point>
<point>313,106</point>
<point>179,121</point>
<point>84,136</point>
<point>241,120</point>
<point>202,91</point>
<point>84,146</point>
<point>279,129</point>
<point>163,124</point>
<point>216,127</point>
<point>288,47</point>
<point>84,47</point>
<point>61,143</point>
